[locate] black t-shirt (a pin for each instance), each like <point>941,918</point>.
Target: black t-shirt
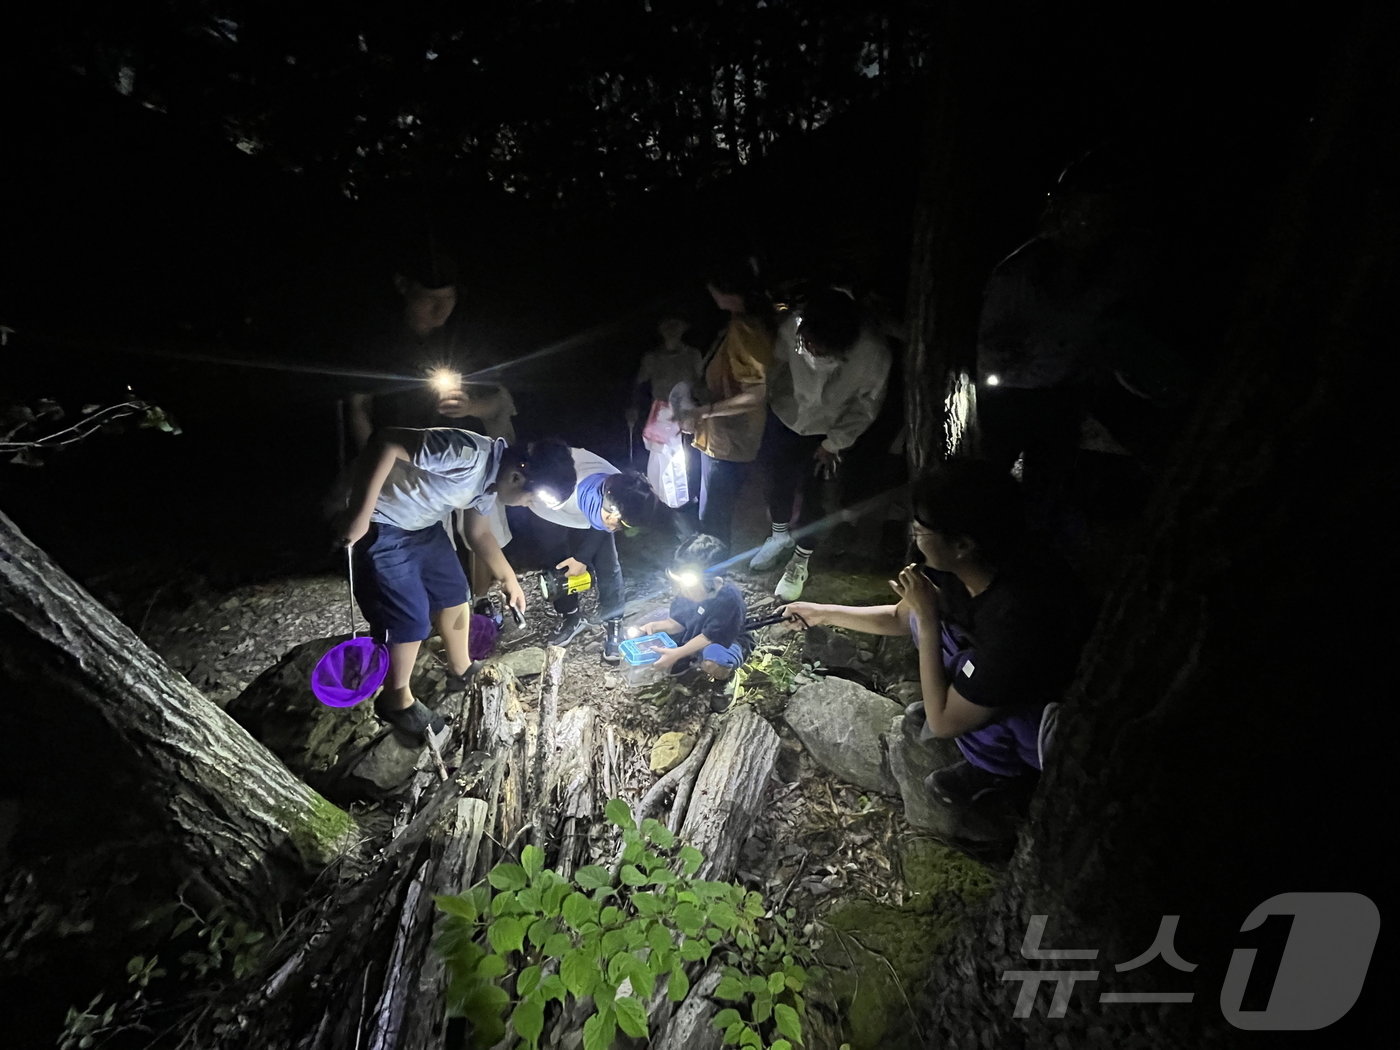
<point>1021,636</point>
<point>387,344</point>
<point>720,617</point>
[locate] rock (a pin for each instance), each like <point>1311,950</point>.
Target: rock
<point>910,762</point>
<point>829,648</point>
<point>841,725</point>
<point>345,753</point>
<point>523,663</point>
<point>670,750</point>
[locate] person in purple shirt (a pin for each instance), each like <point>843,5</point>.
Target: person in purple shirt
<point>998,624</point>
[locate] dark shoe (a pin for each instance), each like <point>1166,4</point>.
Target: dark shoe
<point>962,783</point>
<point>416,720</point>
<point>719,700</point>
<point>460,683</point>
<point>568,629</point>
<point>612,640</point>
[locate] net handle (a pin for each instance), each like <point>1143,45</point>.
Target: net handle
<point>350,587</point>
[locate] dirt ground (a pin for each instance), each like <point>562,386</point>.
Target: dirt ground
<point>818,840</point>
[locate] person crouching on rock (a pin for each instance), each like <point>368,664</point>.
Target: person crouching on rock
<point>405,485</point>
<point>1007,620</point>
<point>706,616</point>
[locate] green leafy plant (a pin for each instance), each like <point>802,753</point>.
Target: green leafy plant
<point>216,947</point>
<point>769,673</point>
<point>612,947</point>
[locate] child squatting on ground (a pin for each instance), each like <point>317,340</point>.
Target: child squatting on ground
<point>706,616</point>
<point>404,486</point>
<point>997,621</point>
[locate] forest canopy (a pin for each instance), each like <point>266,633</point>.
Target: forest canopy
<point>639,95</point>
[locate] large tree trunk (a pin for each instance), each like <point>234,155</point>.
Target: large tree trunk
<point>1217,749</point>
<point>91,693</point>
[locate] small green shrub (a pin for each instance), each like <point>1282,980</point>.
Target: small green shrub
<point>551,938</point>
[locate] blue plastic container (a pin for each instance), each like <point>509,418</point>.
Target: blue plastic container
<point>638,654</point>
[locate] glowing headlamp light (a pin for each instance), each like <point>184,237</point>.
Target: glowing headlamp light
<point>686,577</point>
<point>444,380</point>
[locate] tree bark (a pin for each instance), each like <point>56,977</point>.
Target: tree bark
<point>729,791</point>
<point>1206,755</point>
<point>962,223</point>
<point>238,821</point>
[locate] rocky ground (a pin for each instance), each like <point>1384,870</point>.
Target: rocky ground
<point>868,867</point>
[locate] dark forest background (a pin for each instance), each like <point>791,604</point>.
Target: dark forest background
<point>205,201</point>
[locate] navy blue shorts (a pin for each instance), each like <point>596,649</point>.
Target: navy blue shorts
<point>402,578</point>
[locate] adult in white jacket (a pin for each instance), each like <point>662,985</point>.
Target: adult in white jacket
<point>828,381</point>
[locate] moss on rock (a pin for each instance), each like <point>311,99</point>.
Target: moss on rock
<point>877,954</point>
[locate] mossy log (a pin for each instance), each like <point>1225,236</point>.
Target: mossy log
<point>236,820</point>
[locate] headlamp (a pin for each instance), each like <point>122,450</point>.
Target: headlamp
<point>444,380</point>
<point>686,577</point>
<point>610,507</point>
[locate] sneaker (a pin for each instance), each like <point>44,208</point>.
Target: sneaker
<point>612,640</point>
<point>416,719</point>
<point>789,588</point>
<point>773,551</point>
<point>568,629</point>
<point>962,783</point>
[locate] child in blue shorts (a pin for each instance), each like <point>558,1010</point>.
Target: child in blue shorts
<point>706,616</point>
<point>405,485</point>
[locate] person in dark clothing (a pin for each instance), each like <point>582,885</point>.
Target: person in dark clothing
<point>575,534</point>
<point>1008,619</point>
<point>706,618</point>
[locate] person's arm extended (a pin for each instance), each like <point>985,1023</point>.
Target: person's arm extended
<point>483,544</point>
<point>751,396</point>
<point>367,476</point>
<point>658,626</point>
<point>868,619</point>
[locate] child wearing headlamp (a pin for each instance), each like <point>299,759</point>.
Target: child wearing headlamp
<point>706,616</point>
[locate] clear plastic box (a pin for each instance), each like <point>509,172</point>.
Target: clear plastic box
<point>638,656</point>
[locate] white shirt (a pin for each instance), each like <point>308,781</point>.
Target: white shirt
<point>840,403</point>
<point>568,513</point>
<point>450,471</point>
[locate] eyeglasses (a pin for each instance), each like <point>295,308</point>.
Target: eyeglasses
<point>615,511</point>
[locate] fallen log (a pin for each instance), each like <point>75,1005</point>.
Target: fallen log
<point>689,1027</point>
<point>728,792</point>
<point>236,822</point>
<point>545,751</point>
<point>572,776</point>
